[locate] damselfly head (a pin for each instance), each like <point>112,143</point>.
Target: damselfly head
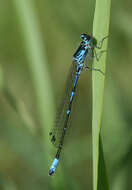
<point>85,37</point>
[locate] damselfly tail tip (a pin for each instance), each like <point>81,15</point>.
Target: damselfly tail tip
<point>51,172</point>
<point>53,166</point>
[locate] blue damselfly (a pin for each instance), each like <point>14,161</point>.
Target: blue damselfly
<point>86,49</point>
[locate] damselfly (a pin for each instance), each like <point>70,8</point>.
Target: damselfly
<point>86,49</point>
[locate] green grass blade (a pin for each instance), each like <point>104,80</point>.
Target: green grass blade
<point>102,174</point>
<point>37,62</point>
<point>100,30</point>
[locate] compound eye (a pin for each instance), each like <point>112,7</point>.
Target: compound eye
<point>83,36</point>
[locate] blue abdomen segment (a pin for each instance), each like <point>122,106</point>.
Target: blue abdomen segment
<point>72,95</point>
<point>53,166</point>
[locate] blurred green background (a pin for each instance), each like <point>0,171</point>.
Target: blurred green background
<point>37,41</point>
